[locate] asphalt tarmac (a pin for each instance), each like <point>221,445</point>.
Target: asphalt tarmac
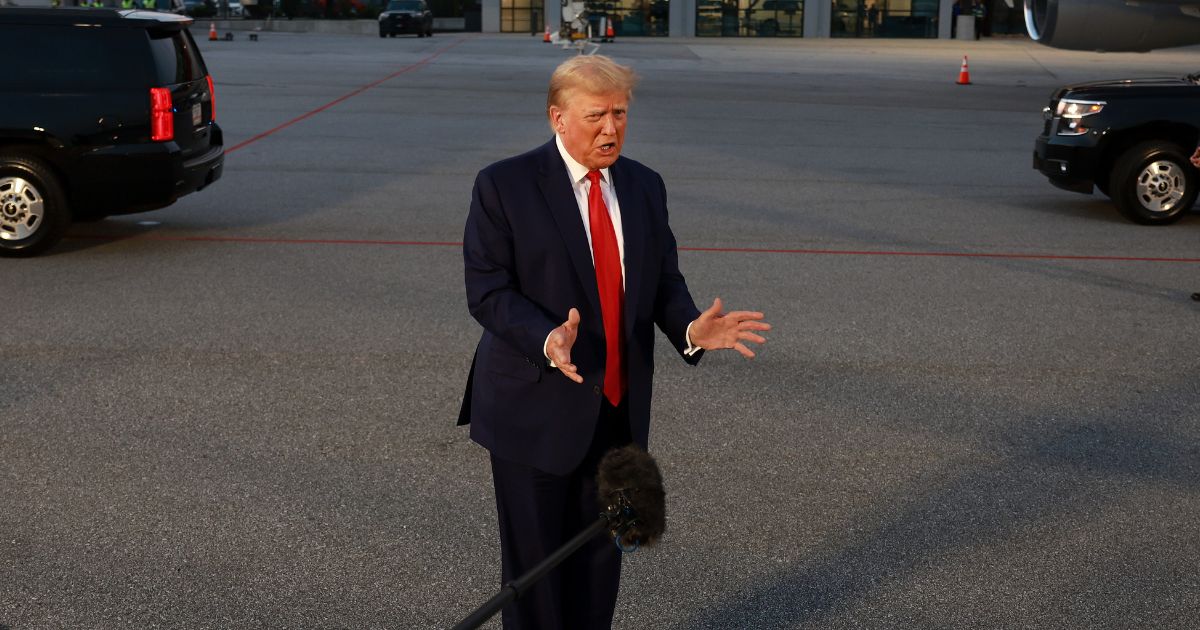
<point>977,409</point>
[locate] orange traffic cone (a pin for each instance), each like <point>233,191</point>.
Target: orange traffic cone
<point>608,33</point>
<point>212,32</point>
<point>964,77</point>
<point>546,37</point>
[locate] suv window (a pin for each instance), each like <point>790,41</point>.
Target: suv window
<point>405,5</point>
<point>175,58</point>
<point>58,59</point>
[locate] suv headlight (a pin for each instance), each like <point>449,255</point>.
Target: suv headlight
<point>1072,108</point>
<point>1073,111</point>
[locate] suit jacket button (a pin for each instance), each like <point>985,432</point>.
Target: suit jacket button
<point>596,389</point>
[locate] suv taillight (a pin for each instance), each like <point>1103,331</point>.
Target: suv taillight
<point>162,123</point>
<point>212,100</point>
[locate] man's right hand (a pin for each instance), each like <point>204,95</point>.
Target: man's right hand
<point>1196,158</point>
<point>558,346</point>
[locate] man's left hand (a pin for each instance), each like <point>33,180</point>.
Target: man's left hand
<point>1196,158</point>
<point>714,330</point>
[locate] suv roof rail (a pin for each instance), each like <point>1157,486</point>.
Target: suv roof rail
<point>128,17</point>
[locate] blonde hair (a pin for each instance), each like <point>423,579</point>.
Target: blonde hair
<point>595,74</point>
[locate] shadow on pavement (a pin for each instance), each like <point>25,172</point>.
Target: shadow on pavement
<point>1063,470</point>
<point>84,236</point>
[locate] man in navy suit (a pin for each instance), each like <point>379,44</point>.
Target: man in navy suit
<point>569,265</point>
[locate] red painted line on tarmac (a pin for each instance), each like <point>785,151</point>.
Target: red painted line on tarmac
<point>851,252</point>
<point>344,97</point>
<point>734,250</point>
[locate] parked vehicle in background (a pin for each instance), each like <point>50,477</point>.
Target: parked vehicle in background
<point>200,8</point>
<point>406,16</point>
<point>108,113</point>
<point>1129,138</point>
<point>257,9</point>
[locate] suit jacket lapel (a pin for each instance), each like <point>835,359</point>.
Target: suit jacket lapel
<point>634,230</point>
<point>555,183</point>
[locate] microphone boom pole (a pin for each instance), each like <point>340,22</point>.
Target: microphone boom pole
<point>519,586</point>
<point>630,489</point>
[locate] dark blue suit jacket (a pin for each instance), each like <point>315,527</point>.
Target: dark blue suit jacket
<point>527,264</point>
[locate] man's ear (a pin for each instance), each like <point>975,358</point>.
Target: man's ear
<point>556,118</point>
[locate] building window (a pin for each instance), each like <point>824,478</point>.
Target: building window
<point>631,17</point>
<point>521,16</point>
<point>750,18</point>
<point>884,18</point>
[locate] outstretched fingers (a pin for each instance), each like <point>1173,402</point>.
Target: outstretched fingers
<point>753,325</point>
<point>561,352</point>
<point>744,315</point>
<point>570,371</point>
<point>745,336</point>
<point>714,310</point>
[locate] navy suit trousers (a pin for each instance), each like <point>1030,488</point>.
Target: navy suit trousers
<point>538,513</point>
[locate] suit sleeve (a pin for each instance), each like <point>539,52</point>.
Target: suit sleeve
<point>494,297</point>
<point>674,308</point>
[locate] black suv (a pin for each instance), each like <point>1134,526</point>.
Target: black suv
<point>103,112</point>
<point>1131,139</point>
<point>406,16</point>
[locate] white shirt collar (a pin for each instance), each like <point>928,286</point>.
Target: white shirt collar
<point>578,171</point>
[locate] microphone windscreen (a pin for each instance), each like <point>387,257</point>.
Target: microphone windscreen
<point>633,472</point>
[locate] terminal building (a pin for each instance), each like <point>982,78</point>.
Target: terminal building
<point>913,19</point>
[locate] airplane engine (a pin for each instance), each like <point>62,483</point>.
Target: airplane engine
<point>1113,25</point>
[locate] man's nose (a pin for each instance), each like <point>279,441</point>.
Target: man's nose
<point>610,125</point>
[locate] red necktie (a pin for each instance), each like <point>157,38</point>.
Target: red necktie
<point>607,259</point>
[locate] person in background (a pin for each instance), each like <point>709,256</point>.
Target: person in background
<point>980,12</point>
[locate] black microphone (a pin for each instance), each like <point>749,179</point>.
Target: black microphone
<point>629,489</point>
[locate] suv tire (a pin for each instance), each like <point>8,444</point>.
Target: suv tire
<point>1153,183</point>
<point>30,190</point>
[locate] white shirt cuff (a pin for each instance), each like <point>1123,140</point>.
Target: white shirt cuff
<point>546,354</point>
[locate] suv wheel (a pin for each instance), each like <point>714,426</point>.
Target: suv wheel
<point>33,208</point>
<point>382,33</point>
<point>1153,183</point>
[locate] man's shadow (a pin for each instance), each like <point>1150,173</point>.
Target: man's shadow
<point>1053,475</point>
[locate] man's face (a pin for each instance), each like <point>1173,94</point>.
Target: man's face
<point>592,126</point>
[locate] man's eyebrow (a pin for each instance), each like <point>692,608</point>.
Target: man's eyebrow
<point>600,111</point>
